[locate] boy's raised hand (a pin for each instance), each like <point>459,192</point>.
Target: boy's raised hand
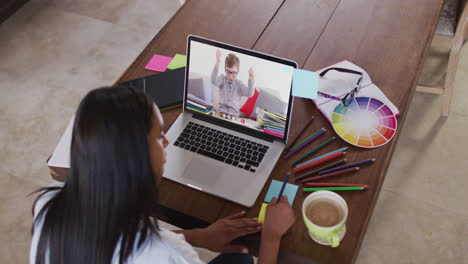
<point>218,56</point>
<point>251,74</point>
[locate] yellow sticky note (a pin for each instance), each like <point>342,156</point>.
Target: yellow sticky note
<point>177,62</point>
<point>261,215</point>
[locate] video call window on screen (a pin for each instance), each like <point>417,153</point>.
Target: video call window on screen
<point>240,88</point>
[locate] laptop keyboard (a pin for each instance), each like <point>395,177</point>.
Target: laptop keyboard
<point>230,149</point>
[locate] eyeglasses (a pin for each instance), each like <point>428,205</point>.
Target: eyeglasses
<point>231,73</point>
<point>348,98</point>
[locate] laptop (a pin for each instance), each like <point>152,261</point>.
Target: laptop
<point>235,122</point>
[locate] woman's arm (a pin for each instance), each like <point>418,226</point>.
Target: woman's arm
<point>269,248</point>
<point>279,217</point>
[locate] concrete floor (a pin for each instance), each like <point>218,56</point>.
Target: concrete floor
<point>53,52</point>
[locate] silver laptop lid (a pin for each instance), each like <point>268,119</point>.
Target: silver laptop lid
<point>241,89</point>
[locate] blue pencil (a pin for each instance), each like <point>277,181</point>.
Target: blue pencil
<point>314,159</point>
<point>282,187</point>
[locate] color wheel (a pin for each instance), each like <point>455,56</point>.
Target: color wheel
<point>365,122</point>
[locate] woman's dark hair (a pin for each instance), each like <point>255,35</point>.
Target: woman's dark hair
<point>110,195</point>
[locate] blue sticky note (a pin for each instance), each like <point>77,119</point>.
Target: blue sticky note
<point>275,188</point>
<point>305,84</point>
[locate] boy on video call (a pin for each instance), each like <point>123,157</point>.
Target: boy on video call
<point>230,89</point>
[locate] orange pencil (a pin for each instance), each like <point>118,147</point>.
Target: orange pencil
<point>318,162</point>
<point>331,174</point>
<point>314,184</point>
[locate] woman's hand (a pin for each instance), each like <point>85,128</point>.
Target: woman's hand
<point>279,217</point>
<point>219,235</point>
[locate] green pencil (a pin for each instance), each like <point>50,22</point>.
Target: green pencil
<point>356,188</point>
<point>313,151</point>
<point>305,140</point>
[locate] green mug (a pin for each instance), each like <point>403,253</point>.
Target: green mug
<point>325,214</point>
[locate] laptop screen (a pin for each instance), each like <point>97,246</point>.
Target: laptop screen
<point>249,89</point>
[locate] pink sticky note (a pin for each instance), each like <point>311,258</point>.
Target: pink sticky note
<point>158,63</point>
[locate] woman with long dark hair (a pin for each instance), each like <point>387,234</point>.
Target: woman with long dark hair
<point>105,211</point>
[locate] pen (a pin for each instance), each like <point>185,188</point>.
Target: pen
<point>282,187</point>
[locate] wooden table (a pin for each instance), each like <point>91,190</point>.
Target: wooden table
<point>387,38</point>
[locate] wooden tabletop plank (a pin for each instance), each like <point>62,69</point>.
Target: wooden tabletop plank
<point>295,29</point>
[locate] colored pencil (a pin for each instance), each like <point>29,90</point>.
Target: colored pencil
<point>318,162</point>
<point>282,187</point>
<point>314,184</point>
<point>355,188</point>
<point>313,151</point>
<point>331,174</point>
<point>299,134</point>
<point>310,139</point>
<point>324,155</point>
<point>356,164</point>
<point>334,164</point>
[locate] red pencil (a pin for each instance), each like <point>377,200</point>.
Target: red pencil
<point>314,184</point>
<point>331,174</point>
<point>319,161</point>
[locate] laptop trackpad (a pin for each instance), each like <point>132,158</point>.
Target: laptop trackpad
<point>203,172</point>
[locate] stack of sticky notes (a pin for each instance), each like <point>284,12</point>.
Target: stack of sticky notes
<point>275,188</point>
